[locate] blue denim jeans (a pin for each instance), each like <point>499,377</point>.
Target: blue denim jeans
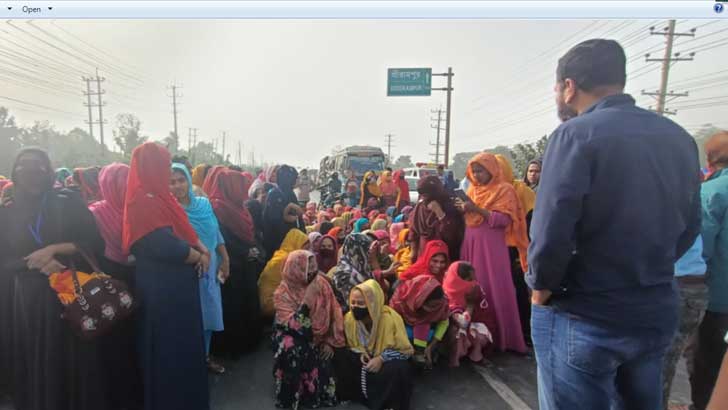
<point>583,364</point>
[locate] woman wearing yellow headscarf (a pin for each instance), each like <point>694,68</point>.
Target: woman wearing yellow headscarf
<point>526,195</point>
<point>198,179</point>
<point>389,189</point>
<point>376,371</point>
<point>369,190</point>
<point>527,198</point>
<point>270,278</point>
<point>404,252</point>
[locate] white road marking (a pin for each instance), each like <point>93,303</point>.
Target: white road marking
<point>502,389</point>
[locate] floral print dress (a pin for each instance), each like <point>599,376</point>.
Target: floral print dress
<point>302,378</point>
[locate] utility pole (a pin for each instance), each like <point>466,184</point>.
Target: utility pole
<point>99,93</point>
<point>388,140</point>
<point>194,144</point>
<point>175,95</point>
<point>668,59</point>
<point>438,127</point>
<point>90,106</point>
<point>223,147</point>
<point>448,114</point>
<point>240,154</point>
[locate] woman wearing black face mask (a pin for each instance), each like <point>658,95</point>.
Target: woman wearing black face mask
<point>377,345</point>
<point>327,255</point>
<point>42,229</point>
<point>308,328</point>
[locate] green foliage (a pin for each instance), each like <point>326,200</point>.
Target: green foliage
<point>404,161</point>
<point>73,149</point>
<point>519,156</point>
<point>460,163</point>
<point>127,133</point>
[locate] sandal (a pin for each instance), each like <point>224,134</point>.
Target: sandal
<point>214,367</point>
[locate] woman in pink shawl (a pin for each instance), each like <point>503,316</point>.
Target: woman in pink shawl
<point>118,348</point>
<point>308,327</point>
<point>471,318</point>
<point>109,212</point>
<point>394,231</point>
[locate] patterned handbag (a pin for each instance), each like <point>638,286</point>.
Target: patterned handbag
<point>99,304</point>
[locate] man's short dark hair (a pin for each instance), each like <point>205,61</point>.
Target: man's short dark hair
<point>594,63</point>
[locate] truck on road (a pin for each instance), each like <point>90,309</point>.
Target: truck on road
<point>358,159</point>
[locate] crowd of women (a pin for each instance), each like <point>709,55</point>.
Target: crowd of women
<point>358,297</point>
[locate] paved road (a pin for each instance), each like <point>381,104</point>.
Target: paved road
<point>506,382</point>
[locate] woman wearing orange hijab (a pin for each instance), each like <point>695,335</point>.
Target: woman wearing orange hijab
<point>494,218</point>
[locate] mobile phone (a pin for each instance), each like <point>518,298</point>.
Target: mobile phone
<point>460,194</point>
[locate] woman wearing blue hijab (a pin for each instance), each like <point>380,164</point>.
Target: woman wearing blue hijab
<point>361,225</point>
<point>203,219</point>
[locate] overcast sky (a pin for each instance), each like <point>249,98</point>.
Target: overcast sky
<point>292,90</point>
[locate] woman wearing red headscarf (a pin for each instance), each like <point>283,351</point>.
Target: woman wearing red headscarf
<point>423,305</point>
<point>228,192</point>
<point>435,217</point>
<point>433,262</point>
<point>494,219</point>
<point>169,259</point>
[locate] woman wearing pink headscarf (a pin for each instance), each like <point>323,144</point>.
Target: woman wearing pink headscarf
<point>118,347</point>
<point>308,327</point>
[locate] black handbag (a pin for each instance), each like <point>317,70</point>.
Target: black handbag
<point>100,303</point>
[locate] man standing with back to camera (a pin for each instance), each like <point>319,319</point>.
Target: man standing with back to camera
<point>618,204</point>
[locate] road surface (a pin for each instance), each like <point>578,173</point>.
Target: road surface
<point>505,382</point>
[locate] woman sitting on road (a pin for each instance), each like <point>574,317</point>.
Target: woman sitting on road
<point>434,262</point>
<point>270,278</point>
<point>423,305</point>
<point>375,369</point>
<point>309,326</point>
<point>472,319</point>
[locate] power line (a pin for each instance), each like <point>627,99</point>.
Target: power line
<point>439,128</point>
<point>174,87</point>
<point>388,140</point>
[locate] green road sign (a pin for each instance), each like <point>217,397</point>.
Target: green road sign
<point>404,82</point>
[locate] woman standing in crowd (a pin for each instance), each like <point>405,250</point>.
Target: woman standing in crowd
<point>309,326</point>
<point>375,369</point>
<point>533,174</point>
<point>388,188</point>
<point>62,175</point>
<point>494,218</point>
<point>42,232</point>
<point>203,219</point>
<point>403,195</point>
<point>369,190</point>
<point>711,345</point>
<point>228,191</point>
<point>270,278</point>
<point>281,212</point>
<point>422,304</point>
<point>435,217</point>
<point>527,200</point>
<point>87,180</point>
<point>471,318</point>
<point>169,258</point>
<point>119,348</point>
<point>434,262</point>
